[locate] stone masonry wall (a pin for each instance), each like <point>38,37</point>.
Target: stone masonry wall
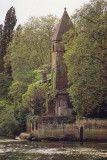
<point>60,127</point>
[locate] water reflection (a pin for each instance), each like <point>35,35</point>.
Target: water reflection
<point>24,150</point>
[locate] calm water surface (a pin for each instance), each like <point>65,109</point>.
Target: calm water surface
<point>24,150</point>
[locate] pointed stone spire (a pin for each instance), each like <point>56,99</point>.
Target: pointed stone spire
<point>64,9</point>
<point>64,25</point>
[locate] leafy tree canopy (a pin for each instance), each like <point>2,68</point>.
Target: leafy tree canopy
<point>86,59</point>
<point>6,34</point>
<point>35,98</point>
<point>30,48</point>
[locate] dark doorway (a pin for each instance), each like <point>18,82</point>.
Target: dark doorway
<point>81,134</point>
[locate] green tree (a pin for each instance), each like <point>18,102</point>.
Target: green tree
<point>5,82</point>
<point>1,32</point>
<point>10,21</point>
<point>8,122</point>
<point>86,60</point>
<point>16,90</point>
<point>48,26</point>
<point>27,54</point>
<point>35,98</point>
<point>29,49</point>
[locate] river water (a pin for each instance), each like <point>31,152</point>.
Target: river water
<point>24,150</point>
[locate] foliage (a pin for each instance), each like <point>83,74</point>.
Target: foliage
<point>5,82</point>
<point>33,118</point>
<point>26,53</point>
<point>17,89</point>
<point>35,98</point>
<point>30,48</point>
<point>20,114</point>
<point>19,59</point>
<point>2,105</point>
<point>12,118</point>
<point>6,34</point>
<point>1,32</point>
<point>38,75</point>
<point>86,60</point>
<point>8,123</point>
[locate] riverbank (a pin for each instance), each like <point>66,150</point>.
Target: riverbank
<point>45,150</point>
<point>31,137</point>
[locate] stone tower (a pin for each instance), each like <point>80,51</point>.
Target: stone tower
<point>59,68</point>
